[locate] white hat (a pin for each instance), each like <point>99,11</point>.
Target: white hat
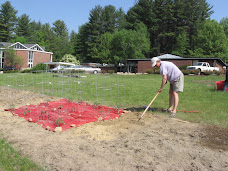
<point>154,61</point>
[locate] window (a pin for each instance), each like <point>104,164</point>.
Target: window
<point>19,46</point>
<point>36,47</point>
<point>1,59</point>
<point>30,59</point>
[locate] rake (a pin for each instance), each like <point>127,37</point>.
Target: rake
<point>149,105</point>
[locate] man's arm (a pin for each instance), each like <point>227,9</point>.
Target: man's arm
<point>164,81</point>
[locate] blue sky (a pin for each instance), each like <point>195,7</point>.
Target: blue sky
<point>76,12</point>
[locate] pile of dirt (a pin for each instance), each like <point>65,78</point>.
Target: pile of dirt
<point>156,142</point>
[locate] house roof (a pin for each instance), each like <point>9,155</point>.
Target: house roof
<point>59,63</point>
<point>208,58</point>
<point>27,46</point>
<point>168,56</point>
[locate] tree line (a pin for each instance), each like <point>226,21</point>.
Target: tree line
<point>149,28</point>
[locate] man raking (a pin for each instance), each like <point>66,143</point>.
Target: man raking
<point>173,74</point>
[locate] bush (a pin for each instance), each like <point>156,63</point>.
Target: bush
<point>217,72</point>
<point>149,71</point>
<point>183,67</point>
<point>156,71</point>
<point>111,71</point>
<point>39,67</point>
<point>26,70</point>
<point>153,71</point>
<point>208,72</point>
<point>103,71</point>
<point>186,72</point>
<point>195,71</point>
<point>11,71</point>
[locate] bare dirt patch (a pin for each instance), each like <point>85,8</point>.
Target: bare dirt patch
<point>155,143</point>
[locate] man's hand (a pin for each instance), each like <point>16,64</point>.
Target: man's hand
<point>160,90</point>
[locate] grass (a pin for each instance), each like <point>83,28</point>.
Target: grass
<point>131,91</point>
<point>13,161</point>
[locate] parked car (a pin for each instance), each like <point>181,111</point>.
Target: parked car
<point>58,68</point>
<point>84,69</point>
<point>202,67</point>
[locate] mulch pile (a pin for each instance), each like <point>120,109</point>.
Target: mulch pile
<point>65,113</point>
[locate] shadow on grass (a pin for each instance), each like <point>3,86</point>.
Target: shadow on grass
<point>141,109</point>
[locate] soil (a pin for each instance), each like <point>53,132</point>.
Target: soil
<point>156,142</point>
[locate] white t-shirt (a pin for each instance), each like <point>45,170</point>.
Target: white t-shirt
<point>171,70</point>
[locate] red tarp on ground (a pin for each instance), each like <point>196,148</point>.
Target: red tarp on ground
<point>64,113</point>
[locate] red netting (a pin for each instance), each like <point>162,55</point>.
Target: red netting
<point>64,113</point>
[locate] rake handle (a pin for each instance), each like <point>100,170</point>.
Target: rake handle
<point>149,105</point>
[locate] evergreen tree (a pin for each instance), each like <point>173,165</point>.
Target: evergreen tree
<point>105,48</point>
<point>8,21</point>
<point>48,37</point>
<point>61,41</point>
<point>102,20</point>
<point>22,28</point>
<point>34,28</point>
<point>196,11</point>
<point>95,30</point>
<point>73,42</point>
<point>224,23</point>
<point>168,20</point>
<point>82,47</point>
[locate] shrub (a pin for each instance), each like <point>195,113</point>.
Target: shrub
<point>153,71</point>
<point>39,67</point>
<point>217,72</point>
<point>186,72</point>
<point>195,71</point>
<point>26,70</point>
<point>156,71</point>
<point>183,67</point>
<point>149,71</point>
<point>208,72</point>
<point>103,71</point>
<point>111,71</point>
<point>11,71</point>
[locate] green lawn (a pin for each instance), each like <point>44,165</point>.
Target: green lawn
<point>130,91</point>
<point>12,160</point>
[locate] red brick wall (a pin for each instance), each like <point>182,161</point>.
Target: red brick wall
<point>24,56</point>
<point>144,65</point>
<point>39,57</point>
<point>181,62</point>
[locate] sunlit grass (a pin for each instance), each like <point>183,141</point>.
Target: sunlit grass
<point>11,160</point>
<point>127,91</point>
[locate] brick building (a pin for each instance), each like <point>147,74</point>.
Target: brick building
<point>141,65</point>
<point>31,54</point>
